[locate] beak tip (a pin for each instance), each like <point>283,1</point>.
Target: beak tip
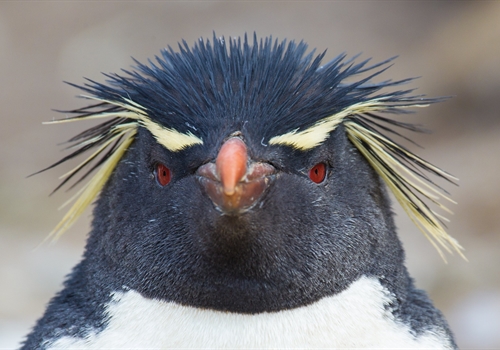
<point>229,191</point>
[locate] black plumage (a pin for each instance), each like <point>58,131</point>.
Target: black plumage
<point>298,241</point>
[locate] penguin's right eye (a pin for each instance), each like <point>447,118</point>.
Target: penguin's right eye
<point>318,173</point>
<point>163,174</point>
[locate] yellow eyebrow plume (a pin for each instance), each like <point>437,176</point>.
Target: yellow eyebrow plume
<point>116,138</point>
<point>315,135</point>
<point>170,138</point>
<point>382,154</point>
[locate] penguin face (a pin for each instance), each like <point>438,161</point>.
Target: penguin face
<point>301,239</point>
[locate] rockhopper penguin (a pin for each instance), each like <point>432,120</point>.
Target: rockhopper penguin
<point>242,203</point>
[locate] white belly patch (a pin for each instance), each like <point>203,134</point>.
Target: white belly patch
<point>355,318</point>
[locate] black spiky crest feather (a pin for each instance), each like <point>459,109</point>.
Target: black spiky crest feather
<point>264,74</point>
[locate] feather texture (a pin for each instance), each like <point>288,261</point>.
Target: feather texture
<point>274,88</point>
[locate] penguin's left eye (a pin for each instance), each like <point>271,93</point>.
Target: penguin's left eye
<point>163,174</point>
<point>318,173</point>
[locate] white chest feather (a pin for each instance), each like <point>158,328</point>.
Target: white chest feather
<point>355,318</point>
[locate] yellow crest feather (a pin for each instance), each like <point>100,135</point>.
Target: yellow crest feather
<point>379,150</point>
<point>393,173</point>
<point>315,135</point>
<point>89,192</point>
<point>128,117</point>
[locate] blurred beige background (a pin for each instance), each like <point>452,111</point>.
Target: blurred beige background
<point>454,46</point>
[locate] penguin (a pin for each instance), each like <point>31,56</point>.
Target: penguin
<point>241,193</point>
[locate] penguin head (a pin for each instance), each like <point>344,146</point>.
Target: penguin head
<point>249,177</point>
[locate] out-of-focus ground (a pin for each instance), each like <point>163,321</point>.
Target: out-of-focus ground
<point>454,46</point>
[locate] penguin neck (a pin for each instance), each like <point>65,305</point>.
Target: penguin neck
<point>360,316</point>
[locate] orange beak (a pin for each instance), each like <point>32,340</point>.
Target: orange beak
<point>231,164</point>
<point>233,183</point>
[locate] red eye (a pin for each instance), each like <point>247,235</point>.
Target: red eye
<point>318,173</point>
<point>163,174</point>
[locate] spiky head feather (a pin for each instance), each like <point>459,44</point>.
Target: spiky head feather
<point>274,91</point>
